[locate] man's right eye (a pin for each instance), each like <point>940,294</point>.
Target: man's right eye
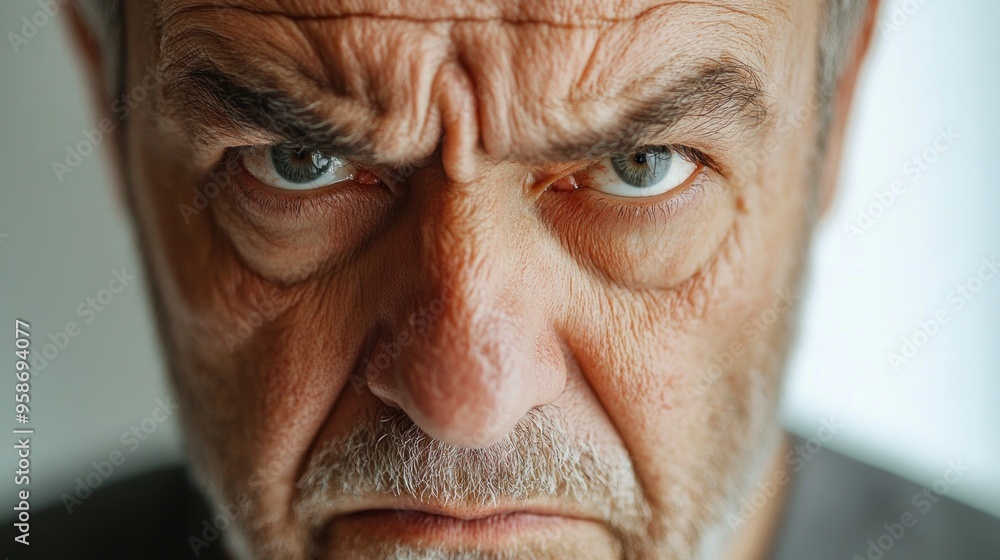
<point>295,168</point>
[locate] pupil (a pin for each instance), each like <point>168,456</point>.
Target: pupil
<point>299,164</point>
<point>640,158</point>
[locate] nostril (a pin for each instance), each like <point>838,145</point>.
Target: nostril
<point>390,403</point>
<point>380,386</point>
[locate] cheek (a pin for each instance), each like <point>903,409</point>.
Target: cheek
<point>690,374</point>
<point>238,341</point>
<point>260,379</point>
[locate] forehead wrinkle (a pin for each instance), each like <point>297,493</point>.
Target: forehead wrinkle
<point>600,141</point>
<point>572,13</point>
<point>666,31</point>
<point>213,33</point>
<point>216,93</point>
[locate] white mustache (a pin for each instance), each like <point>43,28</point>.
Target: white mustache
<point>539,459</point>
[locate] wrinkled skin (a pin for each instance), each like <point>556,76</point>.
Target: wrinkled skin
<point>624,314</point>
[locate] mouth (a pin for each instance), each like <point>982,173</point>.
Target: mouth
<point>457,526</point>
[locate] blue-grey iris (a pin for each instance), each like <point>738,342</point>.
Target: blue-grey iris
<point>296,164</point>
<point>642,169</point>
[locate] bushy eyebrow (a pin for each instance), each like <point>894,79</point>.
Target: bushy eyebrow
<point>209,101</point>
<point>719,96</point>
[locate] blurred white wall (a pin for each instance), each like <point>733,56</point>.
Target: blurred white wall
<point>935,70</point>
<point>64,240</point>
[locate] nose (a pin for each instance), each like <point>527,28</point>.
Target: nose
<point>480,350</point>
<point>475,351</point>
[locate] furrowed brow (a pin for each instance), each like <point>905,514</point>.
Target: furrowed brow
<point>721,98</point>
<point>210,102</point>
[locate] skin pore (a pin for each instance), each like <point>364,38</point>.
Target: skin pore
<point>471,348</point>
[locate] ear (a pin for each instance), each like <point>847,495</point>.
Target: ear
<point>87,43</point>
<point>844,97</point>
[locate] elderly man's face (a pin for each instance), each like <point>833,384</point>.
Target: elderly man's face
<point>499,279</point>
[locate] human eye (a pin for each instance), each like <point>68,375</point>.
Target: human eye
<point>648,172</point>
<point>292,167</point>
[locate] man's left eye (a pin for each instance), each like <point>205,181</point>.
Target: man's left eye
<point>652,171</point>
<point>295,168</point>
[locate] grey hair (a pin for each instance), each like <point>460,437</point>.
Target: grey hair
<point>104,17</point>
<point>840,25</point>
<point>838,29</point>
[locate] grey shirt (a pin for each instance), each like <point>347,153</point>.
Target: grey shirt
<point>840,509</point>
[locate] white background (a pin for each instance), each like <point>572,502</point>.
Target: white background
<point>937,70</point>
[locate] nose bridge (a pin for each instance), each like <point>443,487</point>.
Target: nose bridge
<point>463,239</point>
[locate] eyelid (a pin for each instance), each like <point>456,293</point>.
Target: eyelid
<point>697,176</point>
<point>636,215</point>
<point>594,211</point>
<point>641,211</point>
<point>608,212</point>
<point>697,156</point>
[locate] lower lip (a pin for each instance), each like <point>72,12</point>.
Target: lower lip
<point>415,526</point>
